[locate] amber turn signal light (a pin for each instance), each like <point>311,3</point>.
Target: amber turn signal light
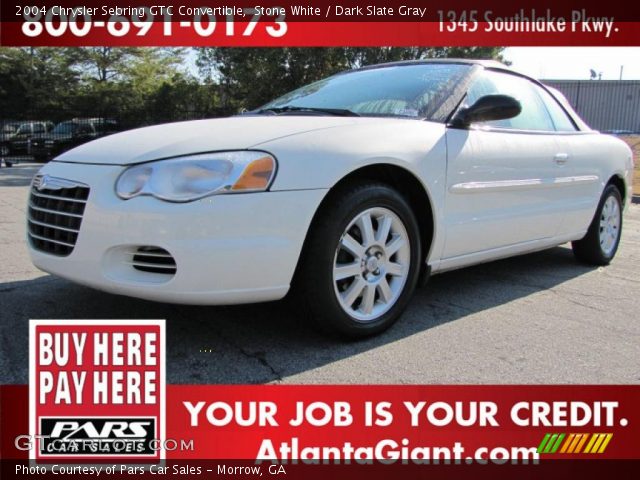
<point>256,175</point>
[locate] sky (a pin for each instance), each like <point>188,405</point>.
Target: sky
<point>575,63</point>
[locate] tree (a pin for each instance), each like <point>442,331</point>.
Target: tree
<point>152,67</point>
<point>102,64</point>
<point>147,85</point>
<point>119,82</point>
<point>249,77</point>
<point>34,78</point>
<point>183,98</point>
<point>61,83</point>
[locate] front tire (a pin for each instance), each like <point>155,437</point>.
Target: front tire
<point>600,244</point>
<point>361,260</point>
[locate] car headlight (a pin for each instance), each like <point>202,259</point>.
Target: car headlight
<point>188,178</point>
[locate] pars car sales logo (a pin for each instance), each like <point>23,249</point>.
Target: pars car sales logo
<point>97,389</point>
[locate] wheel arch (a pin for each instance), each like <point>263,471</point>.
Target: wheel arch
<point>619,182</point>
<point>402,180</point>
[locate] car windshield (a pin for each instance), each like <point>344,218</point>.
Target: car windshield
<point>413,91</point>
<point>65,128</point>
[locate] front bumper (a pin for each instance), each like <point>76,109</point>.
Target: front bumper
<point>228,249</point>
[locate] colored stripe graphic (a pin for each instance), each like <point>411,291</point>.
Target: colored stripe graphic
<point>543,443</point>
<point>550,443</point>
<point>581,442</point>
<point>592,440</point>
<point>596,446</point>
<point>570,440</point>
<point>605,443</point>
<point>572,443</point>
<point>555,447</point>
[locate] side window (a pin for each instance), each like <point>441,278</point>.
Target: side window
<point>561,120</point>
<point>38,128</point>
<point>84,128</point>
<point>25,128</point>
<point>534,115</point>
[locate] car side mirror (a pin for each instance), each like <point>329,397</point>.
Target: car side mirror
<point>487,108</point>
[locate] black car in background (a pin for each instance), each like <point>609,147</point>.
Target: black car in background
<point>69,134</point>
<point>15,136</point>
<point>7,130</point>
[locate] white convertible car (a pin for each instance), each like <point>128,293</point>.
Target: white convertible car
<point>348,191</point>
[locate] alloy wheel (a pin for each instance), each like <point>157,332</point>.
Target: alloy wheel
<point>609,225</point>
<point>371,264</point>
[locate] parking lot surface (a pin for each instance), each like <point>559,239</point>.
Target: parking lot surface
<point>539,318</point>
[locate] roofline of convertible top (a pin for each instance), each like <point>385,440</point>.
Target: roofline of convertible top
<point>485,63</point>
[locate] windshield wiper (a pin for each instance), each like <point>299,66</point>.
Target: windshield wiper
<point>340,112</point>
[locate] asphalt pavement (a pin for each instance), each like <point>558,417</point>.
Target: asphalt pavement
<point>538,318</point>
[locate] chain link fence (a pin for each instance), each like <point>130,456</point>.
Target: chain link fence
<point>40,135</point>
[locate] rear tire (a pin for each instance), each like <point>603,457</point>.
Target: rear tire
<point>361,260</point>
<point>600,244</point>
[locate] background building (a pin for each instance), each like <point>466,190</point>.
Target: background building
<point>606,105</point>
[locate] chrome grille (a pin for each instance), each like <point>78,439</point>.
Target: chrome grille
<point>56,207</point>
<point>153,260</point>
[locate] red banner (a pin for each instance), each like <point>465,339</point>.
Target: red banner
<point>409,425</point>
<point>308,34</point>
<point>314,23</point>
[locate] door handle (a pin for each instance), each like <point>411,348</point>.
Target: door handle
<point>561,158</point>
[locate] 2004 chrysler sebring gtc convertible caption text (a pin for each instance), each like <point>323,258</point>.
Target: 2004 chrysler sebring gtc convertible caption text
<point>348,190</point>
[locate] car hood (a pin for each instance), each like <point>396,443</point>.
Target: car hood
<point>199,136</point>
